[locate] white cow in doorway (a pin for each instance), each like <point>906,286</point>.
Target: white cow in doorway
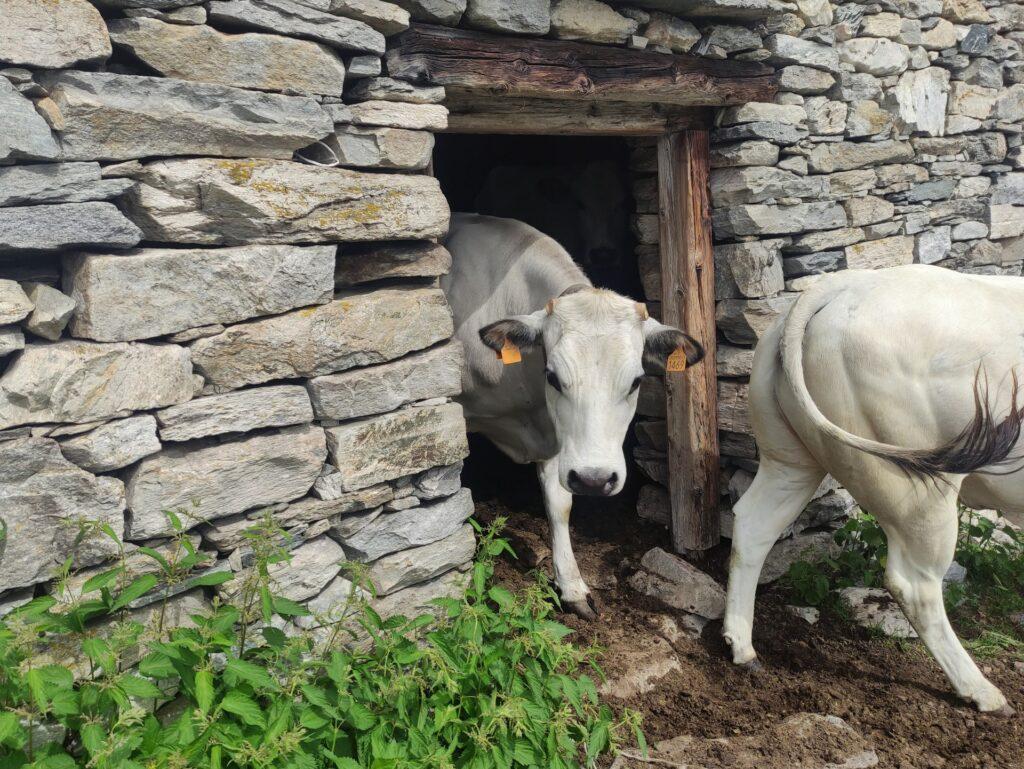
<point>901,383</point>
<point>568,404</point>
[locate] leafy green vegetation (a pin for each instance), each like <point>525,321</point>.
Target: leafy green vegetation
<point>490,681</point>
<point>992,594</point>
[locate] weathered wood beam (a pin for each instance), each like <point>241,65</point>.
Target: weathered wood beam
<point>466,61</point>
<point>476,114</point>
<point>688,301</point>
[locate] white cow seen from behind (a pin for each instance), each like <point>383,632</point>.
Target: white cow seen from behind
<point>902,384</point>
<point>568,404</point>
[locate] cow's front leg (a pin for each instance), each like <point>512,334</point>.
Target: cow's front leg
<point>558,503</point>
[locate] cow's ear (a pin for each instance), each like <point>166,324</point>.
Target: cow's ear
<point>523,331</point>
<point>661,341</point>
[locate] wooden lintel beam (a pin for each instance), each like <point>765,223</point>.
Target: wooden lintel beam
<point>475,114</point>
<point>494,65</point>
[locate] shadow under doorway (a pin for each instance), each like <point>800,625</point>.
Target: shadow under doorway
<point>578,191</point>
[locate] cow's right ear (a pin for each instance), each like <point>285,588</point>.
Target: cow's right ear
<point>523,331</point>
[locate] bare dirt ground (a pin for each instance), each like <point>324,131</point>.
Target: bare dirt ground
<point>894,695</point>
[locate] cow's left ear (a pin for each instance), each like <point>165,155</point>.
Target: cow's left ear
<point>523,331</point>
<point>660,341</point>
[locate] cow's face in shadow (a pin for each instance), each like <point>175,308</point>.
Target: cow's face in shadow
<point>597,346</point>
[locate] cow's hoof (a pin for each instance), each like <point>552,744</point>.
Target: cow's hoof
<point>583,607</point>
<point>1006,711</point>
<point>751,666</point>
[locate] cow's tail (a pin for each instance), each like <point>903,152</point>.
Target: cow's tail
<point>985,444</point>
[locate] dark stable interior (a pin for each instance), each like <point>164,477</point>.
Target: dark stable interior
<point>576,190</point>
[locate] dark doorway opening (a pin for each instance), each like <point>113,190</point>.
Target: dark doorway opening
<point>578,191</point>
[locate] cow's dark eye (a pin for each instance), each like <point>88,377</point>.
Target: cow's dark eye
<point>635,386</point>
<point>552,378</point>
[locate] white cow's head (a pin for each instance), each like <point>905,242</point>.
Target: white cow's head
<point>597,345</point>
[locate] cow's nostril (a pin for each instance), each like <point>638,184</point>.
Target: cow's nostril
<point>612,480</point>
<point>574,479</point>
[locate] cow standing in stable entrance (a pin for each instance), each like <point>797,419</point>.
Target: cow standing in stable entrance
<point>903,385</point>
<point>578,354</point>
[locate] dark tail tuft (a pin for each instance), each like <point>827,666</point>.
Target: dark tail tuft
<point>984,445</point>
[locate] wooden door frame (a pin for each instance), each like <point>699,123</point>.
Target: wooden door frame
<point>500,85</point>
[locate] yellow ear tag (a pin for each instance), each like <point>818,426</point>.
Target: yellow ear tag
<point>676,361</point>
<point>510,354</point>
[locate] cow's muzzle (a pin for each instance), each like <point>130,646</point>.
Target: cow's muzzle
<point>593,483</point>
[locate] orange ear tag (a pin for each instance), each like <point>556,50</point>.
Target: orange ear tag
<point>676,361</point>
<point>510,354</point>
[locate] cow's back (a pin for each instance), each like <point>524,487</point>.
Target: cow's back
<point>500,268</point>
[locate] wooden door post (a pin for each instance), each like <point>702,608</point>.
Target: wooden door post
<point>688,301</point>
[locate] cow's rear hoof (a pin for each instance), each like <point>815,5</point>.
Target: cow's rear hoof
<point>585,607</point>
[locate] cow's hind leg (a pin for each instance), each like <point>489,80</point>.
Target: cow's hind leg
<point>574,592</point>
<point>921,547</point>
<point>774,500</point>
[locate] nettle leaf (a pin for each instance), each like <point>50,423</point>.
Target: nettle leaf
<point>134,686</point>
<point>211,580</point>
<point>10,728</point>
<point>241,670</point>
<point>244,707</point>
<point>204,690</point>
<point>136,589</point>
<point>102,580</point>
<point>342,762</point>
<point>285,607</point>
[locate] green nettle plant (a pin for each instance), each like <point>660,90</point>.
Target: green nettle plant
<point>486,680</point>
<point>993,557</point>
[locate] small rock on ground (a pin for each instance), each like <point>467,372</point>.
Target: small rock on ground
<point>644,666</point>
<point>873,607</point>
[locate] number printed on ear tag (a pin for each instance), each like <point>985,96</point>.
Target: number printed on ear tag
<point>676,361</point>
<point>510,354</point>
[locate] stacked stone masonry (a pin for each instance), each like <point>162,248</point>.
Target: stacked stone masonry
<point>195,318</point>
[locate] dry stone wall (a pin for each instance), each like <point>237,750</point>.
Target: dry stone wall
<point>194,320</point>
<point>192,317</point>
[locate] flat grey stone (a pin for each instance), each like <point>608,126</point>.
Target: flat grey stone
<point>103,112</point>
<point>381,148</point>
<point>446,12</point>
<point>236,412</point>
<point>14,302</point>
<point>158,291</point>
<point>42,497</point>
<point>439,482</point>
<point>752,269</point>
<point>417,599</point>
<point>220,202</point>
<point>349,332</point>
<point>590,20</point>
<point>682,586</point>
<point>379,261</point>
<point>24,134</point>
<point>394,445</point>
<point>744,321</point>
<point>57,183</point>
<point>419,564</point>
<point>201,54</point>
<point>65,225</point>
<point>210,482</point>
<point>873,607</point>
<point>414,527</point>
<point>389,89</point>
<point>72,381</point>
<point>777,220</point>
<point>526,17</point>
<point>113,445</point>
<point>51,311</point>
<point>374,390</point>
<point>52,35</point>
<point>12,339</point>
<point>800,547</point>
<point>296,20</point>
